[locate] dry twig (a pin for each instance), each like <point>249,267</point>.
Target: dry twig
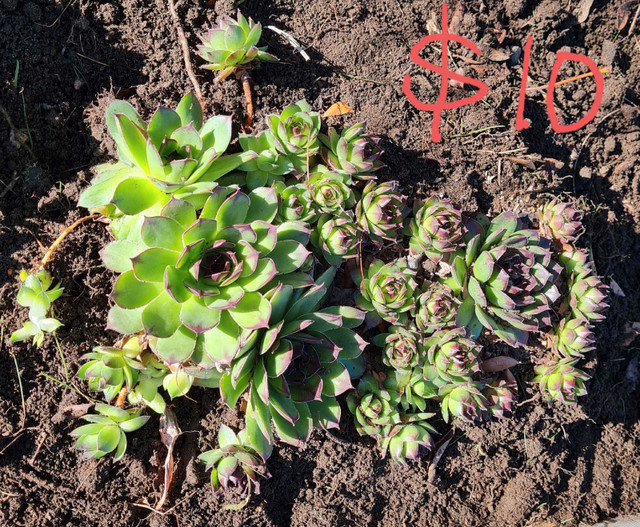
<point>185,53</point>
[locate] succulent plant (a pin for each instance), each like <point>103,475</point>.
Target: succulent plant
<point>403,440</point>
<point>379,211</point>
<point>235,463</point>
<point>108,369</point>
<point>462,402</point>
<point>388,290</point>
<point>572,338</point>
<point>269,165</point>
<point>412,388</point>
<point>232,45</point>
<point>454,356</point>
<point>331,192</point>
<point>373,408</point>
<point>437,229</point>
<point>337,237</point>
<point>500,395</point>
<point>299,363</point>
<point>402,347</point>
<point>174,154</point>
<point>295,203</point>
<point>147,389</point>
<point>507,276</point>
<point>436,308</point>
<point>194,285</point>
<point>37,293</point>
<point>106,431</point>
<point>587,297</point>
<point>575,261</point>
<point>296,132</point>
<point>352,152</point>
<point>560,221</point>
<point>561,380</point>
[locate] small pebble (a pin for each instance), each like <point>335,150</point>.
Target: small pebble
<point>610,145</point>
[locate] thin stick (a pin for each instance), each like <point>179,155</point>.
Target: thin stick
<point>43,436</point>
<point>49,254</point>
<point>245,79</point>
<point>185,52</point>
<point>606,69</point>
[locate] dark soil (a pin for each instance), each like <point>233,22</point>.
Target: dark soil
<point>553,464</point>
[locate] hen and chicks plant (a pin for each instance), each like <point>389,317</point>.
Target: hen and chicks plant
<point>225,263</point>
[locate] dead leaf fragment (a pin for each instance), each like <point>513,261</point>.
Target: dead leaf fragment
<point>498,55</point>
<point>454,26</point>
<point>583,10</point>
<point>624,12</point>
<point>338,108</point>
<point>616,289</point>
<point>496,364</point>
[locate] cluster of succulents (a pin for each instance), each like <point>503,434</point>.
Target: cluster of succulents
<point>38,293</point>
<point>225,262</point>
<point>487,280</point>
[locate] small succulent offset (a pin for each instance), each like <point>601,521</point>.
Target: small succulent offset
<point>106,431</point>
<point>454,357</point>
<point>352,152</point>
<point>388,290</point>
<point>235,463</point>
<point>560,221</point>
<point>572,338</point>
<point>337,238</point>
<point>231,45</point>
<point>296,132</point>
<point>37,293</point>
<point>379,211</point>
<point>402,347</point>
<point>463,402</point>
<point>436,308</point>
<point>376,414</point>
<point>561,380</point>
<point>109,369</point>
<point>437,229</point>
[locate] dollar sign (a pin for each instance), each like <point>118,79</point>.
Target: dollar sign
<point>441,104</point>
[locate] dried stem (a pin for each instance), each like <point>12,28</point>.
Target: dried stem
<point>122,395</point>
<point>245,79</point>
<point>49,254</point>
<point>185,53</point>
